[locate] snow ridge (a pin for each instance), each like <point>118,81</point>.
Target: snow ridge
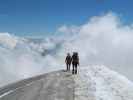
<point>100,83</point>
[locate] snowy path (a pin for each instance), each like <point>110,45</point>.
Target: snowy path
<point>53,86</point>
<point>91,83</point>
<point>100,83</point>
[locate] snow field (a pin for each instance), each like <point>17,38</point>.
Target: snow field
<point>100,83</point>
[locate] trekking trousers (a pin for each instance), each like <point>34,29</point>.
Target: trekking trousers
<point>68,66</point>
<point>74,70</point>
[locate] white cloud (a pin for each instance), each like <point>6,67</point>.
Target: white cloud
<point>8,40</point>
<point>68,30</point>
<point>104,40</point>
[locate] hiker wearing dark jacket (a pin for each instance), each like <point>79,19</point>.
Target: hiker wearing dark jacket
<point>75,62</point>
<point>68,61</point>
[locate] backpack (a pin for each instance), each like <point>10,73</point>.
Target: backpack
<point>68,59</point>
<point>75,57</point>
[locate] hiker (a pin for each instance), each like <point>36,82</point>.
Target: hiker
<point>68,61</point>
<point>75,62</point>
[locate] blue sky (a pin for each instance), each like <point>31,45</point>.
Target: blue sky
<point>43,17</point>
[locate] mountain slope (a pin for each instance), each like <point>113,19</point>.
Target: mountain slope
<point>91,83</point>
<point>52,86</point>
<point>101,83</point>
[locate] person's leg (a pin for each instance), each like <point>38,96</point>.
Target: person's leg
<point>75,68</point>
<point>67,66</point>
<point>70,67</point>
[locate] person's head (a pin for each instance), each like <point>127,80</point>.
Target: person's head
<point>68,54</point>
<point>75,53</point>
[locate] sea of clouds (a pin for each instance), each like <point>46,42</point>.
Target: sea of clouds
<point>103,40</point>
